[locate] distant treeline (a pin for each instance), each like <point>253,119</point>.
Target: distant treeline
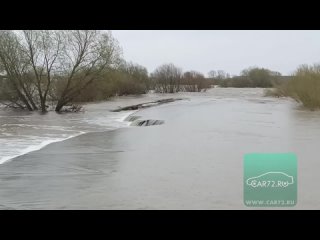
<point>133,79</point>
<point>252,77</point>
<point>49,69</point>
<point>169,79</point>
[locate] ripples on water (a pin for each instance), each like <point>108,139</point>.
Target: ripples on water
<point>23,132</point>
<point>192,161</point>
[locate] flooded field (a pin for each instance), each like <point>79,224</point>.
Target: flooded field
<point>193,160</point>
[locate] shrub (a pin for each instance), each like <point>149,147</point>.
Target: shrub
<point>304,87</point>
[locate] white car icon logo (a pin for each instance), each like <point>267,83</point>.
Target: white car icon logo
<point>285,178</point>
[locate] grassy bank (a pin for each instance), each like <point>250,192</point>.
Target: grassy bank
<point>304,87</point>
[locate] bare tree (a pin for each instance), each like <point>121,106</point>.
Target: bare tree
<point>15,72</point>
<point>43,49</point>
<point>218,77</point>
<point>212,74</point>
<point>167,78</point>
<point>221,75</point>
<point>194,82</point>
<point>85,55</point>
<point>58,64</point>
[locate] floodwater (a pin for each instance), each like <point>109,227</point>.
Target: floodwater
<point>22,131</point>
<point>192,161</point>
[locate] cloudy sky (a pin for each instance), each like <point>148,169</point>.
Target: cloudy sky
<point>230,51</point>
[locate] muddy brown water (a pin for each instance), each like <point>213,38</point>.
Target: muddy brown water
<point>192,161</point>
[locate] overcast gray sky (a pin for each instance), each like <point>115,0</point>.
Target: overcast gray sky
<point>231,51</point>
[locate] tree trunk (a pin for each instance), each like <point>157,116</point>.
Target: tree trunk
<point>25,101</point>
<point>59,106</point>
<point>43,105</point>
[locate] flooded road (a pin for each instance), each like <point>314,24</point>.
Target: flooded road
<point>192,161</point>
